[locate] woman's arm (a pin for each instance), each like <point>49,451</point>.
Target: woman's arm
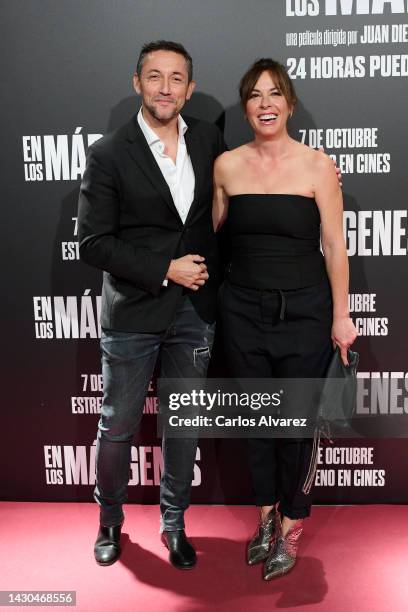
<point>330,202</point>
<point>220,198</point>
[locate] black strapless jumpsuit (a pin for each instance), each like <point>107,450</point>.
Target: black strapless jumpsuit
<point>276,310</point>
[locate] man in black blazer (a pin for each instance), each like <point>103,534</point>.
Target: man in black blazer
<point>145,219</point>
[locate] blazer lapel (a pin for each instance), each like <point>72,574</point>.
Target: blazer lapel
<point>142,155</point>
<point>195,152</point>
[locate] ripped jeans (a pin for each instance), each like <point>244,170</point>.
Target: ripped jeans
<point>128,361</point>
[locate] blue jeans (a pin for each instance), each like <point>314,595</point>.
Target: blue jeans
<point>128,361</point>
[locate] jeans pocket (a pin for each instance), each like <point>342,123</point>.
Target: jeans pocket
<point>201,356</point>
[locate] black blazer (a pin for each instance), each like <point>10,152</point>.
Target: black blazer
<point>129,227</point>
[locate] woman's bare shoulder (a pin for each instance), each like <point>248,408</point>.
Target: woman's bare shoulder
<point>230,159</point>
<point>315,161</point>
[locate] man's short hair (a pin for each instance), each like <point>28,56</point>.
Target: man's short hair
<point>164,45</point>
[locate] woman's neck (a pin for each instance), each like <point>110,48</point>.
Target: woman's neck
<point>272,148</point>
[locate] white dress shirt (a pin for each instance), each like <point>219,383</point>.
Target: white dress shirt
<point>180,175</point>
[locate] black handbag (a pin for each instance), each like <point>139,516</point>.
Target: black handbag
<point>336,408</point>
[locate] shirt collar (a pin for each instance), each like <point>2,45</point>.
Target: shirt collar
<point>151,136</point>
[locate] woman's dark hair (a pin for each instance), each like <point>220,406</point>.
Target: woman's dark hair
<point>279,74</point>
<point>164,45</point>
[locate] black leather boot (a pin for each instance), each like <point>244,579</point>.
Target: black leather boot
<point>107,546</point>
<point>182,554</point>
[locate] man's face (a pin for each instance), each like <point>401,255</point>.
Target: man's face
<point>163,85</point>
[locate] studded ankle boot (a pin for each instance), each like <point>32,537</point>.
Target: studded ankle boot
<point>283,554</point>
<point>260,545</point>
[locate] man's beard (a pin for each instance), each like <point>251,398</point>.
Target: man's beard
<point>157,115</point>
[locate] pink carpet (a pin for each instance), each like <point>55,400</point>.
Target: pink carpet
<point>351,558</point>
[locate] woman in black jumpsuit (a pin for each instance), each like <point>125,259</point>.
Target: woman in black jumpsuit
<point>283,305</point>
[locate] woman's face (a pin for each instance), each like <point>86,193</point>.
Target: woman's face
<point>267,110</point>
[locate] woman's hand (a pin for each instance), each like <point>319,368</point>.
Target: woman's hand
<point>343,335</point>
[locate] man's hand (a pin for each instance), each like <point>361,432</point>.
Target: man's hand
<point>338,171</point>
<point>189,271</point>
